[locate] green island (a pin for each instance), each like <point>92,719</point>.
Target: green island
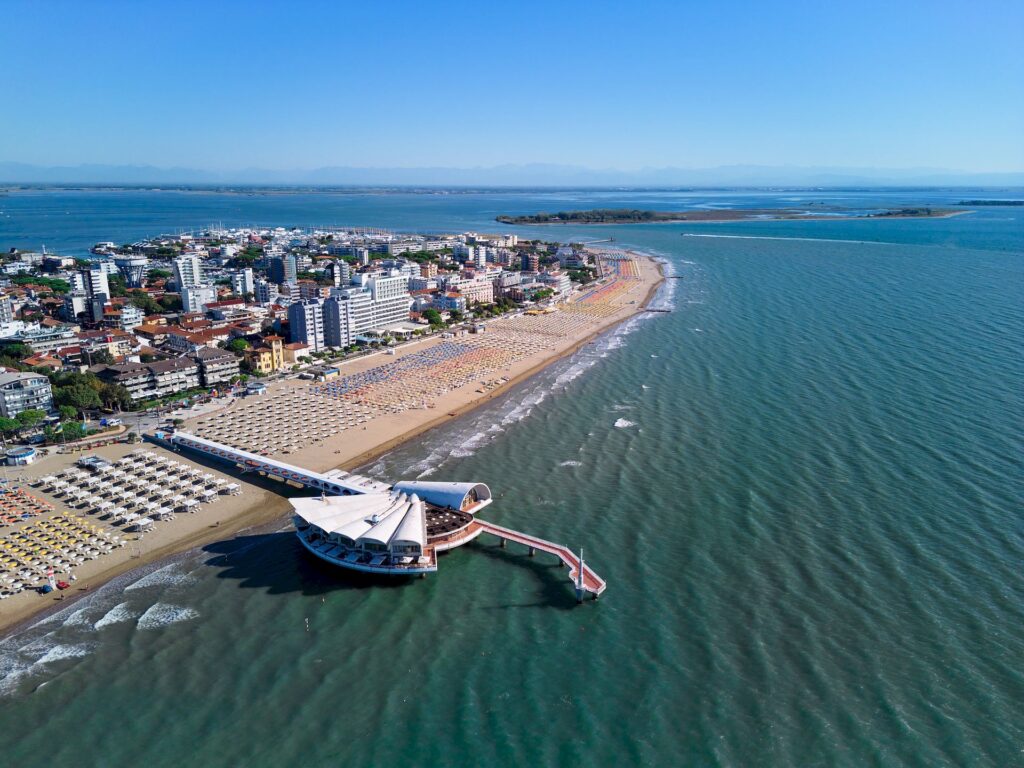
<point>637,216</point>
<point>991,202</point>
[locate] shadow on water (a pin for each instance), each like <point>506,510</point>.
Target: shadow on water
<point>278,563</point>
<point>556,588</point>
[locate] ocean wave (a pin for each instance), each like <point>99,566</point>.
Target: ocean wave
<point>169,575</point>
<point>624,423</point>
<point>64,651</point>
<point>571,464</point>
<point>468,447</point>
<point>116,615</point>
<point>79,618</point>
<point>164,614</point>
<point>12,672</point>
<point>37,647</point>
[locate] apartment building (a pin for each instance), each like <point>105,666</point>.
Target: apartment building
<point>24,391</point>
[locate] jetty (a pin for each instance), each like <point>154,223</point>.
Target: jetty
<point>366,525</point>
<point>583,577</point>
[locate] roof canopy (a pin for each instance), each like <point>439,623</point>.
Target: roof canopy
<point>454,495</point>
<point>375,519</point>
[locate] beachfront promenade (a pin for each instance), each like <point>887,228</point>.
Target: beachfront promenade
<point>584,578</point>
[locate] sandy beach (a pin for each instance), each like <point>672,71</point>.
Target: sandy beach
<point>322,427</point>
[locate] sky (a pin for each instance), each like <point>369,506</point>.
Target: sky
<point>224,85</point>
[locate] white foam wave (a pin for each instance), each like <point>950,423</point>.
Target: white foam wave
<point>164,614</point>
<point>571,464</point>
<point>116,615</point>
<point>38,646</point>
<point>169,575</point>
<point>469,446</point>
<point>79,618</point>
<point>624,423</point>
<point>62,651</point>
<point>621,407</point>
<point>11,673</point>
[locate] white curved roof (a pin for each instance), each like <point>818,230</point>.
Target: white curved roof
<point>444,494</point>
<point>382,531</point>
<point>333,512</point>
<point>413,529</point>
<point>373,518</point>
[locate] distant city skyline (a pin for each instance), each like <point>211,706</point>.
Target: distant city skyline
<point>228,87</point>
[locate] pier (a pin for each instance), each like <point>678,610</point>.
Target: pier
<point>582,575</point>
<point>334,481</point>
<point>448,498</point>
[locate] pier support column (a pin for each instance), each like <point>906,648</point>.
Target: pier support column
<point>579,595</point>
<point>504,543</point>
<point>533,551</point>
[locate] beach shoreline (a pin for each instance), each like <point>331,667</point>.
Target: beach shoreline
<point>270,506</point>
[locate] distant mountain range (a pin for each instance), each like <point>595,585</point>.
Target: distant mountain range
<point>529,175</point>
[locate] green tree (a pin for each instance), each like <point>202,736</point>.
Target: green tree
<point>116,396</point>
<point>100,357</point>
<point>9,426</point>
<point>432,316</point>
<point>81,396</point>
<point>51,283</point>
<point>118,287</point>
<point>31,417</point>
<point>145,302</point>
<point>73,430</point>
<point>238,346</point>
<point>170,302</point>
<point>68,412</point>
<point>17,351</point>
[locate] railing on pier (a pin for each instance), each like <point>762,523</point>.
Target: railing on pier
<point>590,582</point>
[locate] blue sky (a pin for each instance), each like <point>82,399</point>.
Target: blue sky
<point>224,85</point>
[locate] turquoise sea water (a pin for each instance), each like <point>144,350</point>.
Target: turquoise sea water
<point>804,487</point>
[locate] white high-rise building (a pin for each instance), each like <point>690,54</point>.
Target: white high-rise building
<point>243,282</point>
<point>390,294</point>
<point>306,323</point>
<point>347,313</point>
<point>91,281</point>
<point>188,270</point>
<point>339,272</point>
<point>265,292</point>
<point>194,298</point>
<point>131,317</point>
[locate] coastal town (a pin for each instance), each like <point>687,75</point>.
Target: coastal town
<point>173,317</point>
<point>255,347</point>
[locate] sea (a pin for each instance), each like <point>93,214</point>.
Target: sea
<point>803,485</point>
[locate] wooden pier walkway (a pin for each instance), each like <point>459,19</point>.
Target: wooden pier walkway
<point>590,582</point>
